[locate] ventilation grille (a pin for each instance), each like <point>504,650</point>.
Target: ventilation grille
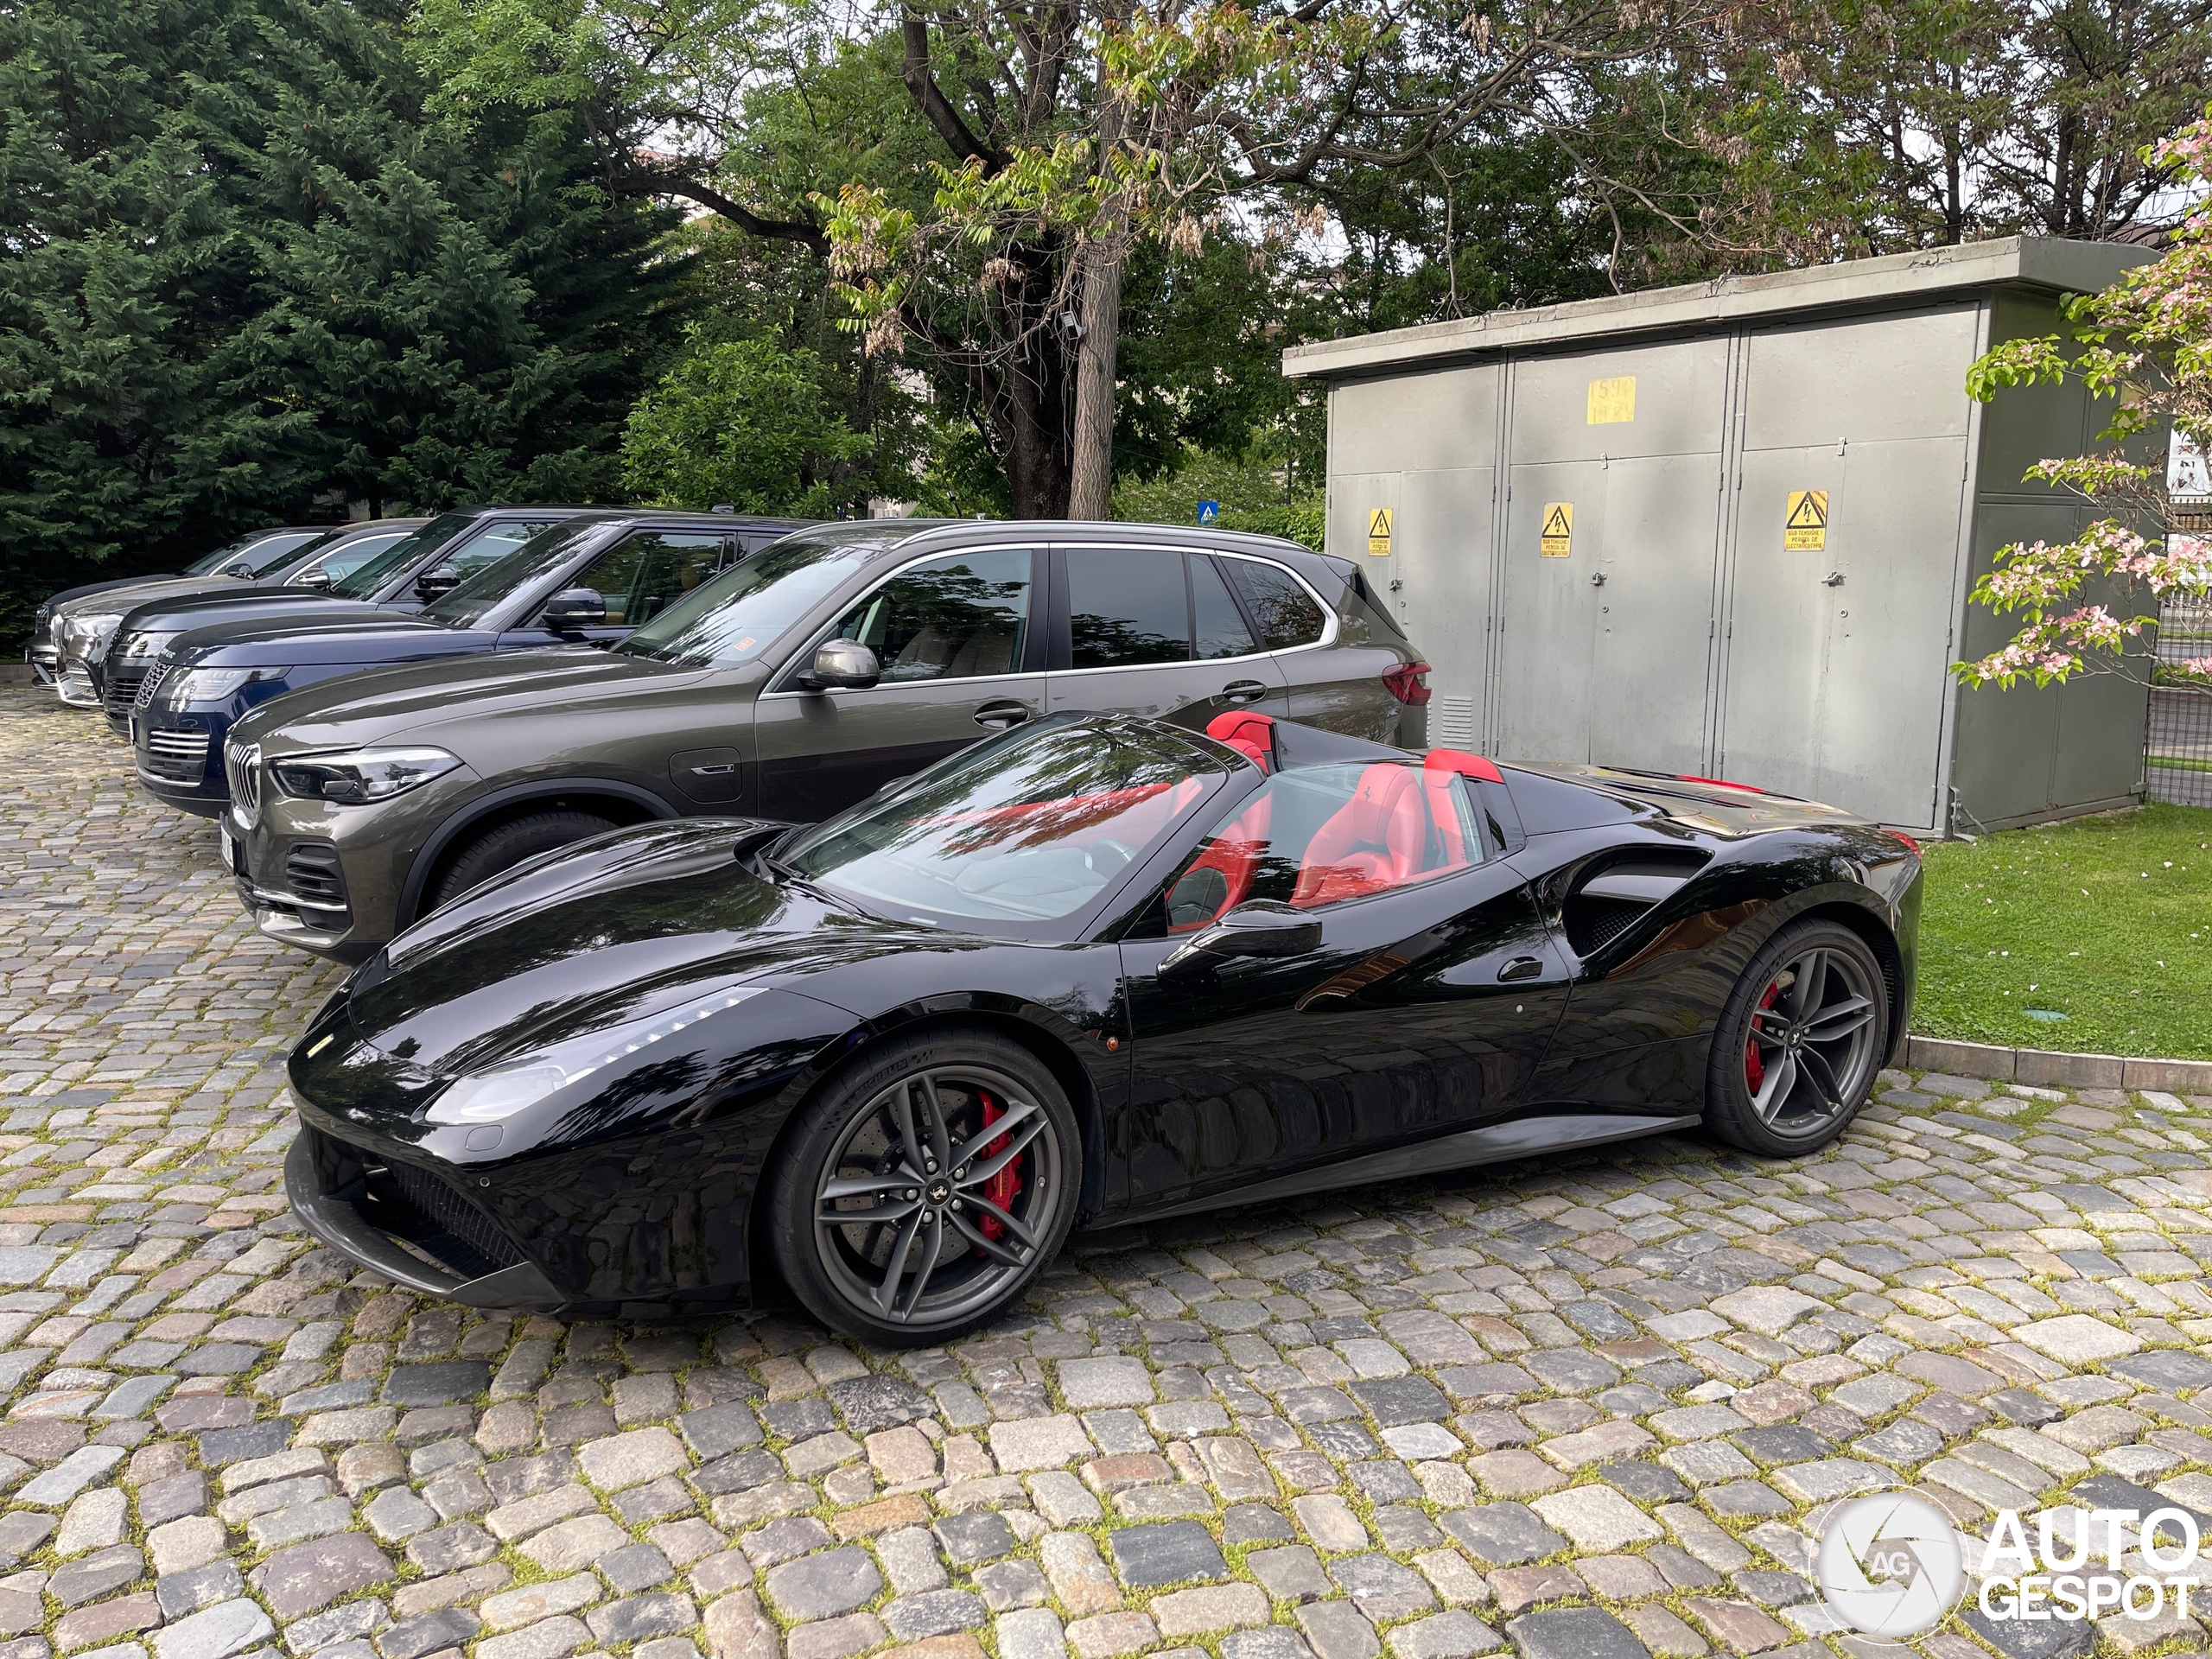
<point>177,757</point>
<point>1452,723</point>
<point>313,873</point>
<point>150,684</point>
<point>77,685</point>
<point>122,692</point>
<point>1610,899</point>
<point>455,1230</point>
<point>242,768</point>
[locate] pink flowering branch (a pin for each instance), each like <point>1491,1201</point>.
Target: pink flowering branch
<point>2146,344</point>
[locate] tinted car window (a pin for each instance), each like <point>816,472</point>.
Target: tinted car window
<point>466,605</point>
<point>494,542</point>
<point>208,562</point>
<point>272,554</point>
<point>1127,605</point>
<point>742,612</point>
<point>356,553</point>
<point>642,575</point>
<point>959,617</point>
<point>1318,835</point>
<point>1024,831</point>
<point>1221,628</point>
<point>367,579</point>
<point>1286,613</point>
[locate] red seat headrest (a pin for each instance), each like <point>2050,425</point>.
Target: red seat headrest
<point>1458,761</point>
<point>1249,734</point>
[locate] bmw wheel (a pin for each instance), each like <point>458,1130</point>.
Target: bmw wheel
<point>1799,1042</point>
<point>925,1190</point>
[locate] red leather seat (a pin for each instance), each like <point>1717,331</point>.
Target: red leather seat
<point>1235,852</point>
<point>1247,733</point>
<point>1377,839</point>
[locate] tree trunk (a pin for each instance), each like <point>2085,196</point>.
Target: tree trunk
<point>1103,259</point>
<point>1094,377</point>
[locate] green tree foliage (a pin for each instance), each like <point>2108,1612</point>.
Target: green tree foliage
<point>745,421</point>
<point>246,277</point>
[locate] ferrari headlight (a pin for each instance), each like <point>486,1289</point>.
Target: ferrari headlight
<point>214,684</point>
<point>358,776</point>
<point>498,1092</point>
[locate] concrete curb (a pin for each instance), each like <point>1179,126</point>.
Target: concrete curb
<point>2052,1069</point>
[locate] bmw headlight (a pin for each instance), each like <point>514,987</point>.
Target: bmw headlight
<point>498,1092</point>
<point>214,684</point>
<point>357,776</point>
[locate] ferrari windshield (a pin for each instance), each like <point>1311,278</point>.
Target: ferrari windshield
<point>1027,828</point>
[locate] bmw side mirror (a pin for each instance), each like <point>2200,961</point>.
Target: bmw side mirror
<point>1262,929</point>
<point>433,585</point>
<point>575,608</point>
<point>842,665</point>
<point>316,577</point>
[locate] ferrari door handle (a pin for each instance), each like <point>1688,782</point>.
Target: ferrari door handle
<point>1520,968</point>
<point>999,716</point>
<point>1244,691</point>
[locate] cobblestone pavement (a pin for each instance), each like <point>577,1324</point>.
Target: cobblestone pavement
<point>1578,1410</point>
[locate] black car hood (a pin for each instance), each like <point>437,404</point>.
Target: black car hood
<point>617,928</point>
<point>367,637</point>
<point>177,613</point>
<point>85,590</point>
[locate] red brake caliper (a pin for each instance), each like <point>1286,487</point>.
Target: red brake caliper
<point>1754,1067</point>
<point>1003,1188</point>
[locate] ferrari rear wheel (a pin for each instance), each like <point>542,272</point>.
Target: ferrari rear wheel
<point>926,1189</point>
<point>1799,1042</point>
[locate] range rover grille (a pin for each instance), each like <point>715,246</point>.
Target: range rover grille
<point>122,692</point>
<point>181,756</point>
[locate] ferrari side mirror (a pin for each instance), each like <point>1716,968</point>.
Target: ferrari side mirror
<point>845,665</point>
<point>1262,928</point>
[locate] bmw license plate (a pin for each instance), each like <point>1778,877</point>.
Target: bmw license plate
<point>230,849</point>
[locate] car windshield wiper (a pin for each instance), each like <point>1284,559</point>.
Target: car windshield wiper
<point>783,872</point>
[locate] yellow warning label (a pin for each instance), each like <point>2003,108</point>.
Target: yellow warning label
<point>1556,540</point>
<point>1612,401</point>
<point>1378,533</point>
<point>1805,526</point>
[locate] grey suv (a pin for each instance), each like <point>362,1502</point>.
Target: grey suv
<point>789,686</point>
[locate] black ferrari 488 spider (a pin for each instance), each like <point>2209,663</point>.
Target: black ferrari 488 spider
<point>1092,970</point>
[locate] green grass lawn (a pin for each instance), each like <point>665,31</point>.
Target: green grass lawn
<point>2105,920</point>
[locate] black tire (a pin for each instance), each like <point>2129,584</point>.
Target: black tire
<point>507,846</point>
<point>1784,1080</point>
<point>890,1280</point>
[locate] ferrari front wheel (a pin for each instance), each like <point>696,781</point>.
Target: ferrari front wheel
<point>924,1190</point>
<point>1799,1042</point>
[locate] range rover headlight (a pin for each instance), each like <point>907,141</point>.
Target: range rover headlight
<point>214,684</point>
<point>358,776</point>
<point>498,1092</point>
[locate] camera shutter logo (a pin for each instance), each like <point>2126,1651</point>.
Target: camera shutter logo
<point>1889,1564</point>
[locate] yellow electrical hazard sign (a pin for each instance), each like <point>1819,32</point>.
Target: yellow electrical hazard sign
<point>1612,401</point>
<point>1378,533</point>
<point>1805,526</point>
<point>1556,540</point>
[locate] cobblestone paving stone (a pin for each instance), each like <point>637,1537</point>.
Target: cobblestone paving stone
<point>1579,1409</point>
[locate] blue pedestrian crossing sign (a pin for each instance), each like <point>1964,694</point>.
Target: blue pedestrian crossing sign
<point>1209,511</point>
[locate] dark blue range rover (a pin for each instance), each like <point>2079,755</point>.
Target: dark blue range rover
<point>589,582</point>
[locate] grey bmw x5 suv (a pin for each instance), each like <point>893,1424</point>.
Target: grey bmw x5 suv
<point>791,685</point>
